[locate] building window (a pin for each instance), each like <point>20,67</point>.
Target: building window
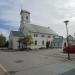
<point>43,42</point>
<point>35,35</point>
<point>52,36</point>
<point>49,42</point>
<point>42,35</point>
<point>35,42</point>
<point>27,17</point>
<point>48,36</point>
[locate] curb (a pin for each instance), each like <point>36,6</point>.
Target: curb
<point>3,71</point>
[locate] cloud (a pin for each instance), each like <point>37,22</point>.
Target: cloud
<point>9,14</point>
<point>53,13</point>
<point>43,12</point>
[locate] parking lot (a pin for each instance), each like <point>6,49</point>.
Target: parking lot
<point>38,62</point>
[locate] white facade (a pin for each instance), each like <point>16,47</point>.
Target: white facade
<point>40,40</point>
<point>37,35</point>
<point>13,42</point>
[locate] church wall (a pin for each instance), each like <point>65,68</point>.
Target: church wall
<point>10,40</point>
<point>25,18</point>
<point>40,39</point>
<point>15,43</point>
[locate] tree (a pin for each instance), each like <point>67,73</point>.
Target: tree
<point>6,44</point>
<point>28,40</point>
<point>2,40</point>
<point>20,40</point>
<point>25,41</point>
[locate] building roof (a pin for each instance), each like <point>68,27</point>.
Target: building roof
<point>39,29</point>
<point>24,11</point>
<point>17,33</point>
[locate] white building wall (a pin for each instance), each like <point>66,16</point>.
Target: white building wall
<point>40,39</point>
<point>10,40</point>
<point>15,43</point>
<point>25,21</point>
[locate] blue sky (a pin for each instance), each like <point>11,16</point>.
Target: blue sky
<point>50,13</point>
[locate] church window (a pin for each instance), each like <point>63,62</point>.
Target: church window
<point>35,42</point>
<point>35,35</point>
<point>42,35</point>
<point>48,36</point>
<point>49,42</point>
<point>27,17</point>
<point>43,42</point>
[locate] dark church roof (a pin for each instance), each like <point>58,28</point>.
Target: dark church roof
<point>17,33</point>
<point>24,11</point>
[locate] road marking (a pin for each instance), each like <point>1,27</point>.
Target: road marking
<point>3,71</point>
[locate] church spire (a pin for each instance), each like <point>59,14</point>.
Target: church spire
<point>25,15</point>
<point>21,6</point>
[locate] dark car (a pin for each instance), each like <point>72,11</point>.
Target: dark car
<point>70,49</point>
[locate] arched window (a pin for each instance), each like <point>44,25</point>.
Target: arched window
<point>35,35</point>
<point>42,35</point>
<point>49,42</point>
<point>35,42</point>
<point>43,42</point>
<point>27,17</point>
<point>49,36</point>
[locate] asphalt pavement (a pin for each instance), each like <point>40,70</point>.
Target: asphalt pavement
<point>40,62</point>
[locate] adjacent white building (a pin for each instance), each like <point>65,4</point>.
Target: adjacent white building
<point>39,34</point>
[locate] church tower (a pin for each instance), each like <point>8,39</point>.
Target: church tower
<point>25,16</point>
<point>25,19</point>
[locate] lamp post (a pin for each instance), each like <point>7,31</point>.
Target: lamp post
<point>66,23</point>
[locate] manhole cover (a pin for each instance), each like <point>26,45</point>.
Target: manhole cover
<point>19,61</point>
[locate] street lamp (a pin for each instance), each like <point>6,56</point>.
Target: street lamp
<point>66,23</point>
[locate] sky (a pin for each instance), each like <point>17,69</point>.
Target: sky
<point>48,13</point>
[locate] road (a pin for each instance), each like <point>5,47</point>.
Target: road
<point>39,62</point>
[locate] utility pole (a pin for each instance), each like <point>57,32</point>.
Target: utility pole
<point>66,23</point>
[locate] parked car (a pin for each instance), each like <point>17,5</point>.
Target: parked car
<point>70,49</point>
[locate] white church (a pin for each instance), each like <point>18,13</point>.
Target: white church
<point>39,34</point>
